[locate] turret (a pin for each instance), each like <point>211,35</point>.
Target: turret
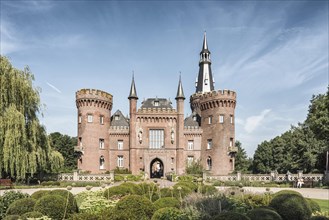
<point>132,124</point>
<point>180,128</point>
<point>94,113</point>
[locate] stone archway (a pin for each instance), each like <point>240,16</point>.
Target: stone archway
<point>156,168</point>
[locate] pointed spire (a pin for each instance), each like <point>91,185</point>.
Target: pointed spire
<point>180,92</point>
<point>205,45</point>
<point>133,93</point>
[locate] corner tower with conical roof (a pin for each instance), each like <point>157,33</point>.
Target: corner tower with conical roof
<point>215,108</point>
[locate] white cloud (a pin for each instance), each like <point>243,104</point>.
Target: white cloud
<point>253,122</point>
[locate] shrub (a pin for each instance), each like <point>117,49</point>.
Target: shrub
<point>38,194</point>
<point>168,213</point>
<point>166,202</point>
<point>21,206</point>
<point>51,205</point>
<point>150,190</point>
<point>190,185</point>
<point>69,199</point>
<point>32,214</point>
<point>315,207</point>
<point>95,205</point>
<point>167,192</point>
<point>290,192</point>
<point>12,217</point>
<point>85,216</point>
<point>319,218</point>
<point>117,191</point>
<point>9,197</point>
<point>80,197</point>
<point>134,188</point>
<point>230,216</point>
<point>50,183</point>
<point>118,178</point>
<point>291,206</point>
<point>208,190</point>
<point>264,214</point>
<point>133,207</point>
<point>181,191</point>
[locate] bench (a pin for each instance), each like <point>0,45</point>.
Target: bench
<point>6,182</point>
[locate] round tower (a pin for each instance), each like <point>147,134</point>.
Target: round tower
<point>217,121</point>
<point>94,113</point>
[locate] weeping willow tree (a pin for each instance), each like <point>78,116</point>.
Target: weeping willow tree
<point>24,146</point>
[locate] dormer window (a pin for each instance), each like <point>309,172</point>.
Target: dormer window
<point>116,117</point>
<point>194,118</point>
<point>156,103</point>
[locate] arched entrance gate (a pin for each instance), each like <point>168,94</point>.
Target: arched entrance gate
<point>156,168</point>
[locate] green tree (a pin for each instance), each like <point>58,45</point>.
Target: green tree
<point>24,146</point>
<point>65,145</point>
<point>242,162</point>
<point>263,158</point>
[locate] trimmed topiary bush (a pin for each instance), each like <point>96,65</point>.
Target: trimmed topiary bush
<point>21,206</point>
<point>287,192</point>
<point>118,191</point>
<point>167,192</point>
<point>166,202</point>
<point>169,213</point>
<point>38,194</point>
<point>150,190</point>
<point>134,188</point>
<point>313,205</point>
<point>69,199</point>
<point>188,184</point>
<point>9,197</point>
<point>264,214</point>
<point>133,207</point>
<point>291,206</point>
<point>181,191</point>
<point>230,216</point>
<point>31,215</point>
<point>52,206</point>
<point>11,217</point>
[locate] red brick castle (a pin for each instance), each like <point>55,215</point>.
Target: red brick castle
<point>156,138</point>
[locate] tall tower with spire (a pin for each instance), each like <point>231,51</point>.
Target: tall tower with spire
<point>205,81</point>
<point>215,111</point>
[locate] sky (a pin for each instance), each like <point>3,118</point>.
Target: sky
<point>274,54</point>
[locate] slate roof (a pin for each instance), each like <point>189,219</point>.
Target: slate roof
<point>150,103</point>
<point>191,122</point>
<point>118,119</point>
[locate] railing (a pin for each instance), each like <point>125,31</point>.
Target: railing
<point>85,177</point>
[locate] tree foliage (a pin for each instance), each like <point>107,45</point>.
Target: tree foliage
<point>65,145</point>
<point>303,147</point>
<point>242,162</point>
<point>24,146</point>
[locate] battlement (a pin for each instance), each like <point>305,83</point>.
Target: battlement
<point>93,97</point>
<point>225,94</point>
<point>93,93</point>
<point>157,110</point>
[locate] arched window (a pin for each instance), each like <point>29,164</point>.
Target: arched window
<point>209,163</point>
<point>101,162</point>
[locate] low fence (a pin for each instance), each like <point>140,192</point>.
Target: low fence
<point>272,177</point>
<point>85,177</point>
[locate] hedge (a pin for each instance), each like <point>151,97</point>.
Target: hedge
<point>166,202</point>
<point>21,206</point>
<point>264,214</point>
<point>52,206</point>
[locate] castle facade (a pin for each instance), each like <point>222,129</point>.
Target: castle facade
<point>156,138</point>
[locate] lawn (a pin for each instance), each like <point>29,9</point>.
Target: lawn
<point>324,204</point>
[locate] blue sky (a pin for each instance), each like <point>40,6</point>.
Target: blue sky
<point>274,54</point>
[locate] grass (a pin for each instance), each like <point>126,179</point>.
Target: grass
<point>324,204</point>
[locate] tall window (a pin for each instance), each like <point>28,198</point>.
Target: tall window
<point>231,142</point>
<point>190,160</point>
<point>101,162</point>
<point>156,138</point>
<point>80,119</point>
<point>90,118</point>
<point>221,119</point>
<point>120,161</point>
<point>209,163</point>
<point>101,119</point>
<point>101,143</point>
<point>210,120</point>
<point>120,144</point>
<point>209,143</point>
<point>80,141</point>
<point>231,119</point>
<point>190,145</point>
<point>116,117</point>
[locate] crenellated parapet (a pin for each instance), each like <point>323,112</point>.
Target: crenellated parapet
<point>213,99</point>
<point>94,97</point>
<point>156,110</point>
